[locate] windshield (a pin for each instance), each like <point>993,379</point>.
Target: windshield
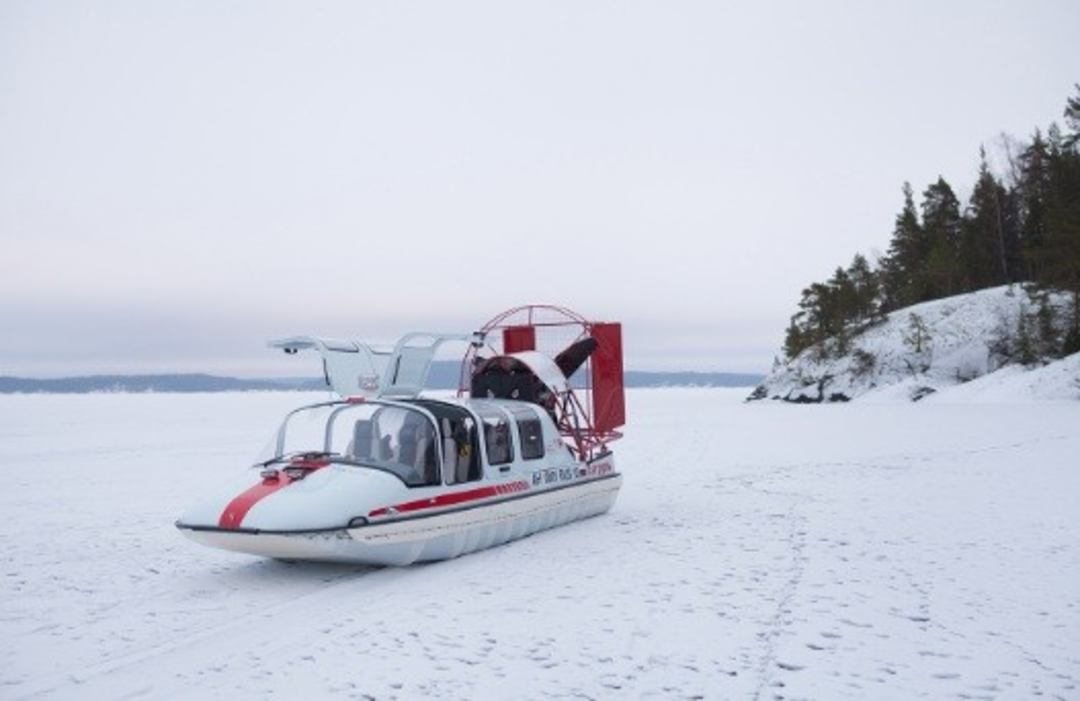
<point>395,439</point>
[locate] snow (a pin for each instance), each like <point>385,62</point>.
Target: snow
<point>761,550</point>
<point>1057,380</point>
<point>960,332</point>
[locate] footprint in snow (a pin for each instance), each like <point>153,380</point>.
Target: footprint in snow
<point>856,624</point>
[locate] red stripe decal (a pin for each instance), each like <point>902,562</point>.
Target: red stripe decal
<point>237,509</point>
<point>452,499</point>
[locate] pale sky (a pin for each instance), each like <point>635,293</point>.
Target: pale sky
<point>180,181</point>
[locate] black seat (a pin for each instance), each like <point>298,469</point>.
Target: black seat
<point>362,444</point>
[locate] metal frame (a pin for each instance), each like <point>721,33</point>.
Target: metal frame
<point>344,404</point>
<point>573,417</point>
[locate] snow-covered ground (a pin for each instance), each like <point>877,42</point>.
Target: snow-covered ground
<point>764,550</point>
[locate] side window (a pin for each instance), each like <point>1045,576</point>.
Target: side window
<point>497,437</point>
<point>530,433</point>
<point>460,451</point>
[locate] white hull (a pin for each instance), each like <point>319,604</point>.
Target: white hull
<point>437,536</point>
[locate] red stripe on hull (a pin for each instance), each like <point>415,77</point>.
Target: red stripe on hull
<point>237,509</point>
<point>234,513</point>
<point>453,499</point>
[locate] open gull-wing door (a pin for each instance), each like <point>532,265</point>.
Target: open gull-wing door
<point>355,369</point>
<point>352,369</point>
<point>409,364</point>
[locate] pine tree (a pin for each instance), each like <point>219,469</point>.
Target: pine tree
<point>917,338</point>
<point>1033,187</point>
<point>902,268</point>
<point>819,302</point>
<point>1011,223</point>
<point>843,300</point>
<point>867,289</point>
<point>795,340</point>
<point>810,325</point>
<point>1046,333</point>
<point>1058,259</point>
<point>983,255</point>
<point>941,227</point>
<point>1072,119</point>
<point>1025,351</point>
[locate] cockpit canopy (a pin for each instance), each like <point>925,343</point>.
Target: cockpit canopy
<point>395,438</point>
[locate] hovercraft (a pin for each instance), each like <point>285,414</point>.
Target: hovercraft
<point>386,475</point>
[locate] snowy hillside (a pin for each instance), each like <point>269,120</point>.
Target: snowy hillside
<point>930,348</point>
<point>1057,380</point>
<point>874,551</point>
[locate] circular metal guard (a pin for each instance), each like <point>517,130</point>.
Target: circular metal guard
<point>548,329</point>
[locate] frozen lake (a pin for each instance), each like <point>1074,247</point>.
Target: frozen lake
<point>757,551</point>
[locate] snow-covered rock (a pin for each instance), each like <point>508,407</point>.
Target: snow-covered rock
<point>927,349</point>
<point>1057,380</point>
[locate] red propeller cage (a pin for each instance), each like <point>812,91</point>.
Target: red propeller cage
<point>594,406</point>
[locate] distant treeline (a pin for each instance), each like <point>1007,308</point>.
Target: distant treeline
<point>148,383</point>
<point>1019,227</point>
<point>444,375</point>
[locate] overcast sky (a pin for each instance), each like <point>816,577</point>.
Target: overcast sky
<point>180,181</point>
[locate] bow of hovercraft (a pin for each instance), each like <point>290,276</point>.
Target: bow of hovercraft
<point>296,512</point>
<point>329,466</point>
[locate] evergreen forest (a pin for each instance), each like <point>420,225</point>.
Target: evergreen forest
<point>1018,227</point>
